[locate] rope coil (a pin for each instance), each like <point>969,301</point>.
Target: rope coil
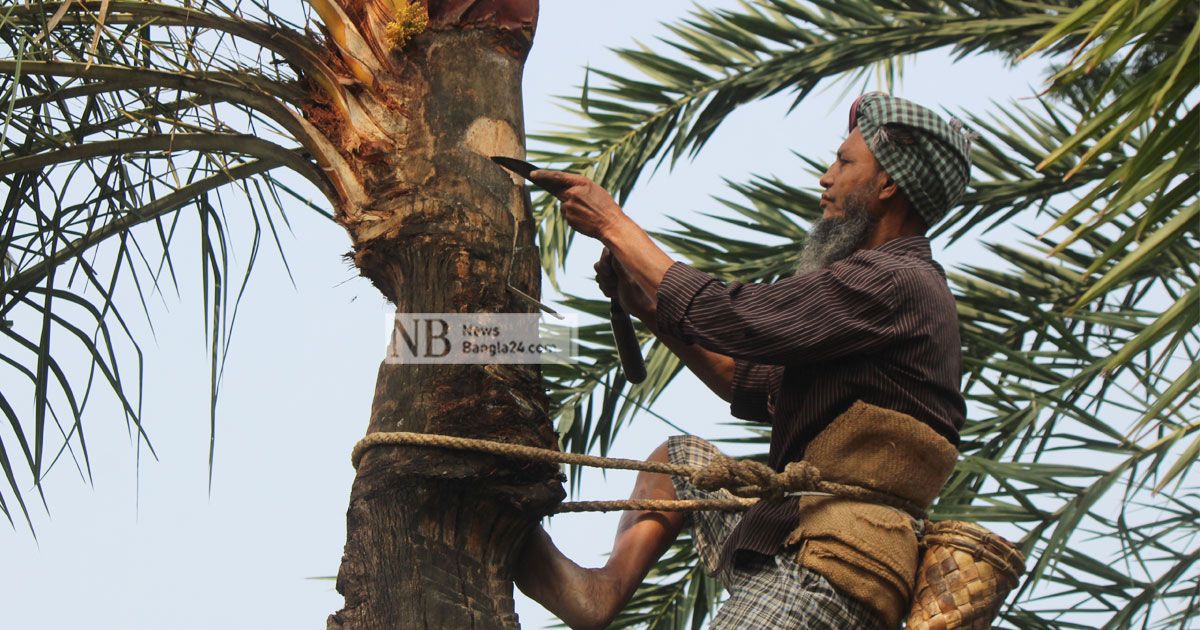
<point>747,480</point>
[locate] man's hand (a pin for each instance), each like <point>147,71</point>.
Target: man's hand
<point>616,284</point>
<point>591,211</point>
<point>588,208</point>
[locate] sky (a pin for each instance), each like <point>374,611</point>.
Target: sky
<point>146,544</point>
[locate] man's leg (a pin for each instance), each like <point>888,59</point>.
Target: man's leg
<point>590,598</point>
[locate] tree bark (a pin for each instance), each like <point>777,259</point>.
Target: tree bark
<point>432,536</point>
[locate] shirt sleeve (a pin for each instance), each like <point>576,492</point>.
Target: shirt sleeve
<point>845,309</point>
<point>751,386</point>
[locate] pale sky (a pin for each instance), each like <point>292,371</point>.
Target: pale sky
<point>160,552</point>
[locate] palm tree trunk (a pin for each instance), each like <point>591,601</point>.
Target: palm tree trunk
<point>432,536</point>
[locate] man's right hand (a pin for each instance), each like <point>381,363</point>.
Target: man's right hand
<point>616,284</point>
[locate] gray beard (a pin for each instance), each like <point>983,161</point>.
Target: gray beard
<point>830,240</point>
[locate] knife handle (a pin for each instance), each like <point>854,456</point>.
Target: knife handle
<point>628,349</point>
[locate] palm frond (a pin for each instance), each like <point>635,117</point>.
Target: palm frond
<point>123,122</point>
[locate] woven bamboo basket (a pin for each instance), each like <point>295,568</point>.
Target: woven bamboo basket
<point>965,574</point>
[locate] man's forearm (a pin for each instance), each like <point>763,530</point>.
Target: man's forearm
<point>644,261</point>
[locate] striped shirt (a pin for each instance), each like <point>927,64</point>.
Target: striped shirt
<point>878,326</point>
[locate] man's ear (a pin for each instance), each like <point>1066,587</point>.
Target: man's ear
<point>889,189</point>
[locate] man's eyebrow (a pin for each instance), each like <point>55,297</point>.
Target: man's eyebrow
<point>840,155</point>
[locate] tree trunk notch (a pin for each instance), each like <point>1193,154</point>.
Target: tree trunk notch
<point>432,536</point>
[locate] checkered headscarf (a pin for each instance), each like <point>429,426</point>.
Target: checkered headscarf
<point>934,169</point>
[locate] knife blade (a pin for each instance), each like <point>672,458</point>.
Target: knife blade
<point>522,168</point>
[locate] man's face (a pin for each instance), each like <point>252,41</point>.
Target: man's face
<point>850,206</point>
<point>854,171</point>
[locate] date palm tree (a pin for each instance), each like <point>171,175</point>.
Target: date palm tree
<point>1080,342</point>
<point>125,119</point>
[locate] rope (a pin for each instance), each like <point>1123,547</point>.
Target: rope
<point>747,480</point>
<point>658,505</point>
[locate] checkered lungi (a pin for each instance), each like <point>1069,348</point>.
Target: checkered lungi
<point>764,592</point>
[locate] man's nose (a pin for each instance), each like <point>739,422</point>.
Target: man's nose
<point>826,179</point>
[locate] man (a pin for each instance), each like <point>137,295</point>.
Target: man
<point>867,317</point>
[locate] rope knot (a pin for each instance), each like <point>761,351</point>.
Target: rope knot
<point>748,478</point>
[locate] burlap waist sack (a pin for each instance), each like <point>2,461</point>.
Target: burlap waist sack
<point>870,551</point>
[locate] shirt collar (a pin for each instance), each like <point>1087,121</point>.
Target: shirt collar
<point>917,246</point>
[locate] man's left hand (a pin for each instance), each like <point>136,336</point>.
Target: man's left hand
<point>588,208</point>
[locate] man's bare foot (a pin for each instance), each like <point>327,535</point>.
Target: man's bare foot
<point>581,598</point>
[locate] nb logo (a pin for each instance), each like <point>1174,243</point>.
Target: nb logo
<point>411,332</point>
